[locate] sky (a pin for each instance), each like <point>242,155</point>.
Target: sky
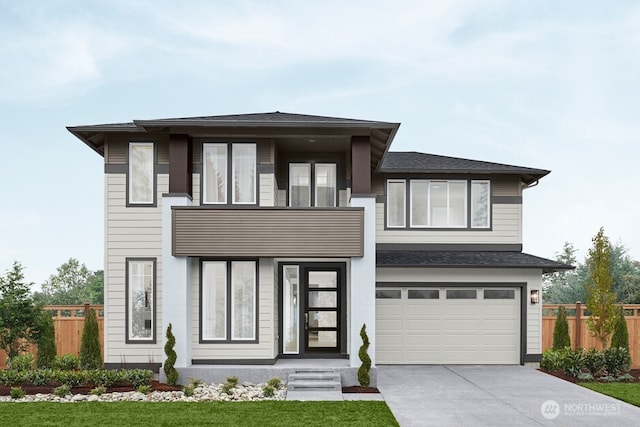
<point>544,84</point>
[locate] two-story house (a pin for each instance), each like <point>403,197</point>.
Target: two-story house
<point>268,236</point>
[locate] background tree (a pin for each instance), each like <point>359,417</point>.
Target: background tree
<point>600,297</point>
<point>620,337</point>
<point>47,350</point>
<point>19,314</point>
<point>73,284</point>
<point>564,286</point>
<point>561,337</point>
<point>90,352</point>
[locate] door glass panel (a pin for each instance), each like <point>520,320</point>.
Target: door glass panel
<point>323,339</point>
<point>388,294</point>
<point>424,294</point>
<point>323,319</point>
<point>323,279</point>
<point>461,294</point>
<point>290,309</point>
<point>327,299</point>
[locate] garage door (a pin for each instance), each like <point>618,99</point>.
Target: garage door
<point>448,325</point>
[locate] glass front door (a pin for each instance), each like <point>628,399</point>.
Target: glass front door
<point>312,312</point>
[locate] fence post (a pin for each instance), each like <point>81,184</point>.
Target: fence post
<point>578,324</point>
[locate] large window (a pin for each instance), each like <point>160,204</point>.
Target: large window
<point>140,295</point>
<point>312,182</point>
<point>141,173</point>
<point>228,301</point>
<point>218,185</point>
<point>439,203</point>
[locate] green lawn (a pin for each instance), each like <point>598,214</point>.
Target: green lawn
<point>271,413</point>
<point>628,392</point>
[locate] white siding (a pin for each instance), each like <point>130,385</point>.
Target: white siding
<point>267,191</point>
<point>130,232</point>
<point>506,229</point>
<point>196,189</point>
<point>265,348</point>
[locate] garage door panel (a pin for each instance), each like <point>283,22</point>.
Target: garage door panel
<point>448,330</point>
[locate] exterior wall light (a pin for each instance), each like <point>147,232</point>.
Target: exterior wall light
<point>535,296</point>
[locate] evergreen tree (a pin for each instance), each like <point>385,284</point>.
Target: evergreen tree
<point>561,337</point>
<point>90,352</point>
<point>47,350</point>
<point>600,297</point>
<point>169,370</point>
<point>620,336</point>
<point>363,372</point>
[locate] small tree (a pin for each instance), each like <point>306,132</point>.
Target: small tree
<point>600,297</point>
<point>561,330</point>
<point>169,370</point>
<point>363,372</point>
<point>620,336</point>
<point>18,313</point>
<point>90,353</point>
<point>47,350</point>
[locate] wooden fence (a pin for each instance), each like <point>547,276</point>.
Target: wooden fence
<point>68,321</point>
<point>580,335</point>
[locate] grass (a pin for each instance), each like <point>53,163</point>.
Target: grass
<point>272,413</point>
<point>627,392</point>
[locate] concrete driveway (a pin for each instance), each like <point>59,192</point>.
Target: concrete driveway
<point>465,395</point>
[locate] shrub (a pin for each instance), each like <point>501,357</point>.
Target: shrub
<point>169,370</point>
<point>268,391</point>
<point>585,376</point>
<point>23,362</point>
<point>232,381</point>
<point>67,362</point>
<point>195,382</point>
<point>144,389</point>
<point>616,360</point>
<point>138,377</point>
<point>38,377</point>
<point>620,336</point>
<point>188,390</point>
<point>90,352</point>
<point>572,361</point>
<point>275,382</point>
<point>98,391</point>
<point>625,377</point>
<point>227,388</point>
<point>46,342</point>
<point>16,393</point>
<point>594,361</point>
<point>551,361</point>
<point>561,331</point>
<point>363,372</point>
<point>62,391</point>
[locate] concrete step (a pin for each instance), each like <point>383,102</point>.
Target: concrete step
<point>317,381</point>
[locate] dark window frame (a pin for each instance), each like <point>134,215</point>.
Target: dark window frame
<point>154,309</point>
<point>229,177</point>
<point>312,176</point>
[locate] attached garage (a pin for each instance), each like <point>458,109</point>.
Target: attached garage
<point>449,324</point>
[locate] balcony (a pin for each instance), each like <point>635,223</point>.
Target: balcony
<point>267,232</point>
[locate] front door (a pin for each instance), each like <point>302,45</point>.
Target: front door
<point>313,317</point>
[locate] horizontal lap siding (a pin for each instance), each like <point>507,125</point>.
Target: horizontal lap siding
<point>131,232</point>
<point>506,229</point>
<point>506,187</point>
<point>268,232</point>
<point>265,348</point>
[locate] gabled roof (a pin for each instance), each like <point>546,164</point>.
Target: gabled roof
<point>470,259</point>
<point>414,162</point>
<point>257,124</point>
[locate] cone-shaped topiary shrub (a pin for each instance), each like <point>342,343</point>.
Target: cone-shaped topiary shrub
<point>47,350</point>
<point>363,371</point>
<point>169,370</point>
<point>561,331</point>
<point>90,353</point>
<point>620,336</point>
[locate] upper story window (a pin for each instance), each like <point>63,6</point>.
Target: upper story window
<point>141,173</point>
<point>312,184</point>
<point>438,203</point>
<point>229,173</point>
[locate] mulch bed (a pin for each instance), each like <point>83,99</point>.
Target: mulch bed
<point>360,389</point>
<point>32,389</point>
<point>635,373</point>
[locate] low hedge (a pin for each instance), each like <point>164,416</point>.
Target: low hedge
<point>611,362</point>
<point>90,378</point>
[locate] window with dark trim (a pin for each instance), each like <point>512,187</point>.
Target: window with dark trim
<point>388,293</point>
<point>140,295</point>
<point>229,173</point>
<point>438,203</point>
<point>313,184</point>
<point>423,294</point>
<point>141,174</point>
<point>228,301</point>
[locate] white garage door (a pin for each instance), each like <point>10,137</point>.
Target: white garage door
<point>448,325</point>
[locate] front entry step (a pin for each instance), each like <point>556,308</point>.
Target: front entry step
<point>314,385</point>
